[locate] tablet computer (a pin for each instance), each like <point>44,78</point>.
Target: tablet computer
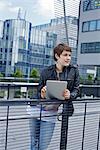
<point>55,89</point>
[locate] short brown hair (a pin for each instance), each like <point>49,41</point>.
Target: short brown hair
<point>60,48</point>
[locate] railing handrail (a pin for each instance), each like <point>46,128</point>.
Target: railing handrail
<point>41,101</point>
<point>64,116</point>
<point>2,84</point>
<point>36,84</point>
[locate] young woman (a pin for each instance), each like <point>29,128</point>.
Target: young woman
<point>41,131</point>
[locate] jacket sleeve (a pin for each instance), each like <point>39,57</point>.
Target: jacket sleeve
<point>75,91</point>
<point>42,83</point>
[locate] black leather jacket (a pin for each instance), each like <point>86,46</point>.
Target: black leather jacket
<point>70,73</point>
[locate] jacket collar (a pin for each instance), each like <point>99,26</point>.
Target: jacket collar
<point>53,67</point>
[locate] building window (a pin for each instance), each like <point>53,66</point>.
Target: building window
<point>92,26</point>
<point>93,47</point>
<point>98,24</point>
<point>97,3</point>
<point>50,44</point>
<point>86,5</point>
<point>85,26</point>
<point>1,50</point>
<point>83,47</point>
<point>22,43</point>
<point>1,56</point>
<point>97,47</point>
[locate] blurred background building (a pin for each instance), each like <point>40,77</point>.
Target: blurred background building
<point>89,38</point>
<point>57,26</point>
<point>24,48</point>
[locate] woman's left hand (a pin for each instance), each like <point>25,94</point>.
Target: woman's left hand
<point>66,94</point>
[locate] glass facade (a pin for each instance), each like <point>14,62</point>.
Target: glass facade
<point>93,47</point>
<point>38,37</point>
<point>57,26</point>
<point>93,25</point>
<point>24,47</point>
<point>16,36</point>
<point>41,46</point>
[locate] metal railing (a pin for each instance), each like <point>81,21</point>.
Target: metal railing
<point>18,90</point>
<point>29,90</point>
<point>80,131</point>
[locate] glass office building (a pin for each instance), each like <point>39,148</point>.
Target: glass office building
<point>16,38</point>
<point>22,47</point>
<point>41,46</point>
<point>57,26</point>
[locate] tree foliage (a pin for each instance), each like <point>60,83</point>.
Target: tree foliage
<point>90,77</point>
<point>34,73</point>
<point>1,75</point>
<point>18,73</point>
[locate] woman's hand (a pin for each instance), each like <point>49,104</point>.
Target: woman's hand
<point>66,94</point>
<point>43,92</point>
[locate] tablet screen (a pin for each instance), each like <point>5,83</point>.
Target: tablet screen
<point>55,89</point>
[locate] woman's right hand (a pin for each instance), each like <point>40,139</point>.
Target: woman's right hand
<point>43,92</point>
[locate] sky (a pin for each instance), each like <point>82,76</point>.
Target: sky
<point>35,11</point>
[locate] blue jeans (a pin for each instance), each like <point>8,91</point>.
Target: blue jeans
<point>41,133</point>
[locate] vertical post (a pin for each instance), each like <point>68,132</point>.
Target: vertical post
<point>28,76</point>
<point>98,135</point>
<point>6,139</point>
<point>39,127</point>
<point>84,126</point>
<point>64,127</point>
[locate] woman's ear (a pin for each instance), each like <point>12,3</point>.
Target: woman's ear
<point>56,56</point>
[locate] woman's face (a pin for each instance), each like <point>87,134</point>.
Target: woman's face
<point>64,59</point>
